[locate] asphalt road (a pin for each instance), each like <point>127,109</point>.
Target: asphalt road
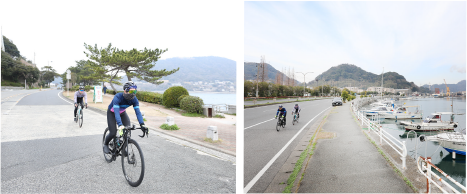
<point>43,150</point>
<point>263,142</point>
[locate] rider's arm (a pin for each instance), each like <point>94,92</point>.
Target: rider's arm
<point>85,97</point>
<point>76,96</point>
<point>117,110</point>
<point>277,112</point>
<point>138,112</point>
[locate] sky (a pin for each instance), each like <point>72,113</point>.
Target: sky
<point>57,30</point>
<point>423,41</point>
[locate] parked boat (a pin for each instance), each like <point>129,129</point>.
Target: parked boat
<point>402,113</point>
<point>432,124</point>
<point>450,141</point>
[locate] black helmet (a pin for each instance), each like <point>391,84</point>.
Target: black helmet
<point>280,106</point>
<point>296,104</point>
<point>81,87</point>
<point>128,85</point>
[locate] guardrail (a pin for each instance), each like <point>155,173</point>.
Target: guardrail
<point>222,108</point>
<point>424,167</point>
<point>397,145</point>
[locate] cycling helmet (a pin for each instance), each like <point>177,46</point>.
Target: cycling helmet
<point>81,87</point>
<point>280,106</point>
<point>128,85</point>
<point>296,104</point>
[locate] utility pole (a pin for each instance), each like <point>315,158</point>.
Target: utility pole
<point>382,84</point>
<point>304,81</point>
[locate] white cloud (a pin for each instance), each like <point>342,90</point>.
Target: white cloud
<point>56,30</point>
<point>404,37</point>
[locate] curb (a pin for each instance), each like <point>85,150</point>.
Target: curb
<point>163,132</point>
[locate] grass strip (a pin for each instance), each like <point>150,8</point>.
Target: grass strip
<point>169,127</point>
<point>308,152</point>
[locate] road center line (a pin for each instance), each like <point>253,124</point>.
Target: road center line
<point>260,173</point>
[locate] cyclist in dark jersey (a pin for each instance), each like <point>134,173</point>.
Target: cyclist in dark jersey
<point>282,112</point>
<point>79,95</point>
<point>116,114</point>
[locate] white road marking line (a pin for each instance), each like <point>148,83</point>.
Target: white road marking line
<point>260,173</point>
<point>62,98</point>
<point>259,123</point>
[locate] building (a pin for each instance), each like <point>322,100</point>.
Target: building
<point>352,89</point>
<point>436,90</point>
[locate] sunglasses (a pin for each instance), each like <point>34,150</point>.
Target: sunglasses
<point>81,90</point>
<point>132,91</point>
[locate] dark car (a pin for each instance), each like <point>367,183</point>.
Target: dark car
<point>337,102</point>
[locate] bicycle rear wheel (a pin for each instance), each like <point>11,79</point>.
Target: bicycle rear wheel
<point>80,118</point>
<point>108,157</point>
<point>133,163</point>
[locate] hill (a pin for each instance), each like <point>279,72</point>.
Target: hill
<point>251,70</point>
<point>345,75</point>
<point>459,87</point>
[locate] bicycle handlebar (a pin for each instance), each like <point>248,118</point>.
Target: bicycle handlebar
<point>134,128</point>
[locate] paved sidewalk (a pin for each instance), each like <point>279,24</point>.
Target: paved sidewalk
<point>192,129</point>
<point>348,163</point>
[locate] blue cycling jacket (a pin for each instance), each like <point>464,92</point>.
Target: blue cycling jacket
<point>119,105</point>
<point>283,111</point>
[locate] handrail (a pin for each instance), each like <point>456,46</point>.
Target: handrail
<point>383,135</point>
<point>425,169</point>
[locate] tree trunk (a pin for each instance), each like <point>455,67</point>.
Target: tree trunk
<point>128,76</point>
<point>111,85</point>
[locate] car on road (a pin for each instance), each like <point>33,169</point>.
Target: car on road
<point>337,102</point>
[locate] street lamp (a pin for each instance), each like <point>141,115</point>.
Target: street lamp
<point>304,81</point>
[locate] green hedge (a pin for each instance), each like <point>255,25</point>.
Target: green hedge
<point>171,95</point>
<point>10,83</point>
<point>192,104</point>
<point>151,97</point>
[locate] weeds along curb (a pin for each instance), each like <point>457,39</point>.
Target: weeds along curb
<point>407,181</point>
<point>308,152</point>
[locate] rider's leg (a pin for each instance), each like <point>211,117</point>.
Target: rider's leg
<point>126,122</point>
<point>112,124</point>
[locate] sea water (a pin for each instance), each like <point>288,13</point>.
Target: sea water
<point>439,156</point>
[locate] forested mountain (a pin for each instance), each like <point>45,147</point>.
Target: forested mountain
<point>205,69</point>
<point>346,75</point>
<point>251,70</point>
<point>459,87</point>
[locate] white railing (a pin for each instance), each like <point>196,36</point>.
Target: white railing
<point>221,108</point>
<point>397,145</point>
<point>424,167</point>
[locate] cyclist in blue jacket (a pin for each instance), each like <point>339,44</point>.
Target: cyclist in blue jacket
<point>282,112</point>
<point>116,114</point>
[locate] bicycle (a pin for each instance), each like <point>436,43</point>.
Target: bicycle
<point>295,118</point>
<point>80,115</point>
<point>120,146</point>
<point>280,123</point>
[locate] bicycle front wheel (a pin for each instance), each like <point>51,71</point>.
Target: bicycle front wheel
<point>108,157</point>
<point>278,126</point>
<point>133,163</point>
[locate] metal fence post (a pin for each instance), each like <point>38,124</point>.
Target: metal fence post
<point>428,174</point>
<point>404,155</point>
<point>380,135</point>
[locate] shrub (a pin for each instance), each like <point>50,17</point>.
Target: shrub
<point>171,95</point>
<point>181,97</point>
<point>169,127</point>
<point>87,88</point>
<point>150,97</point>
<point>192,104</point>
